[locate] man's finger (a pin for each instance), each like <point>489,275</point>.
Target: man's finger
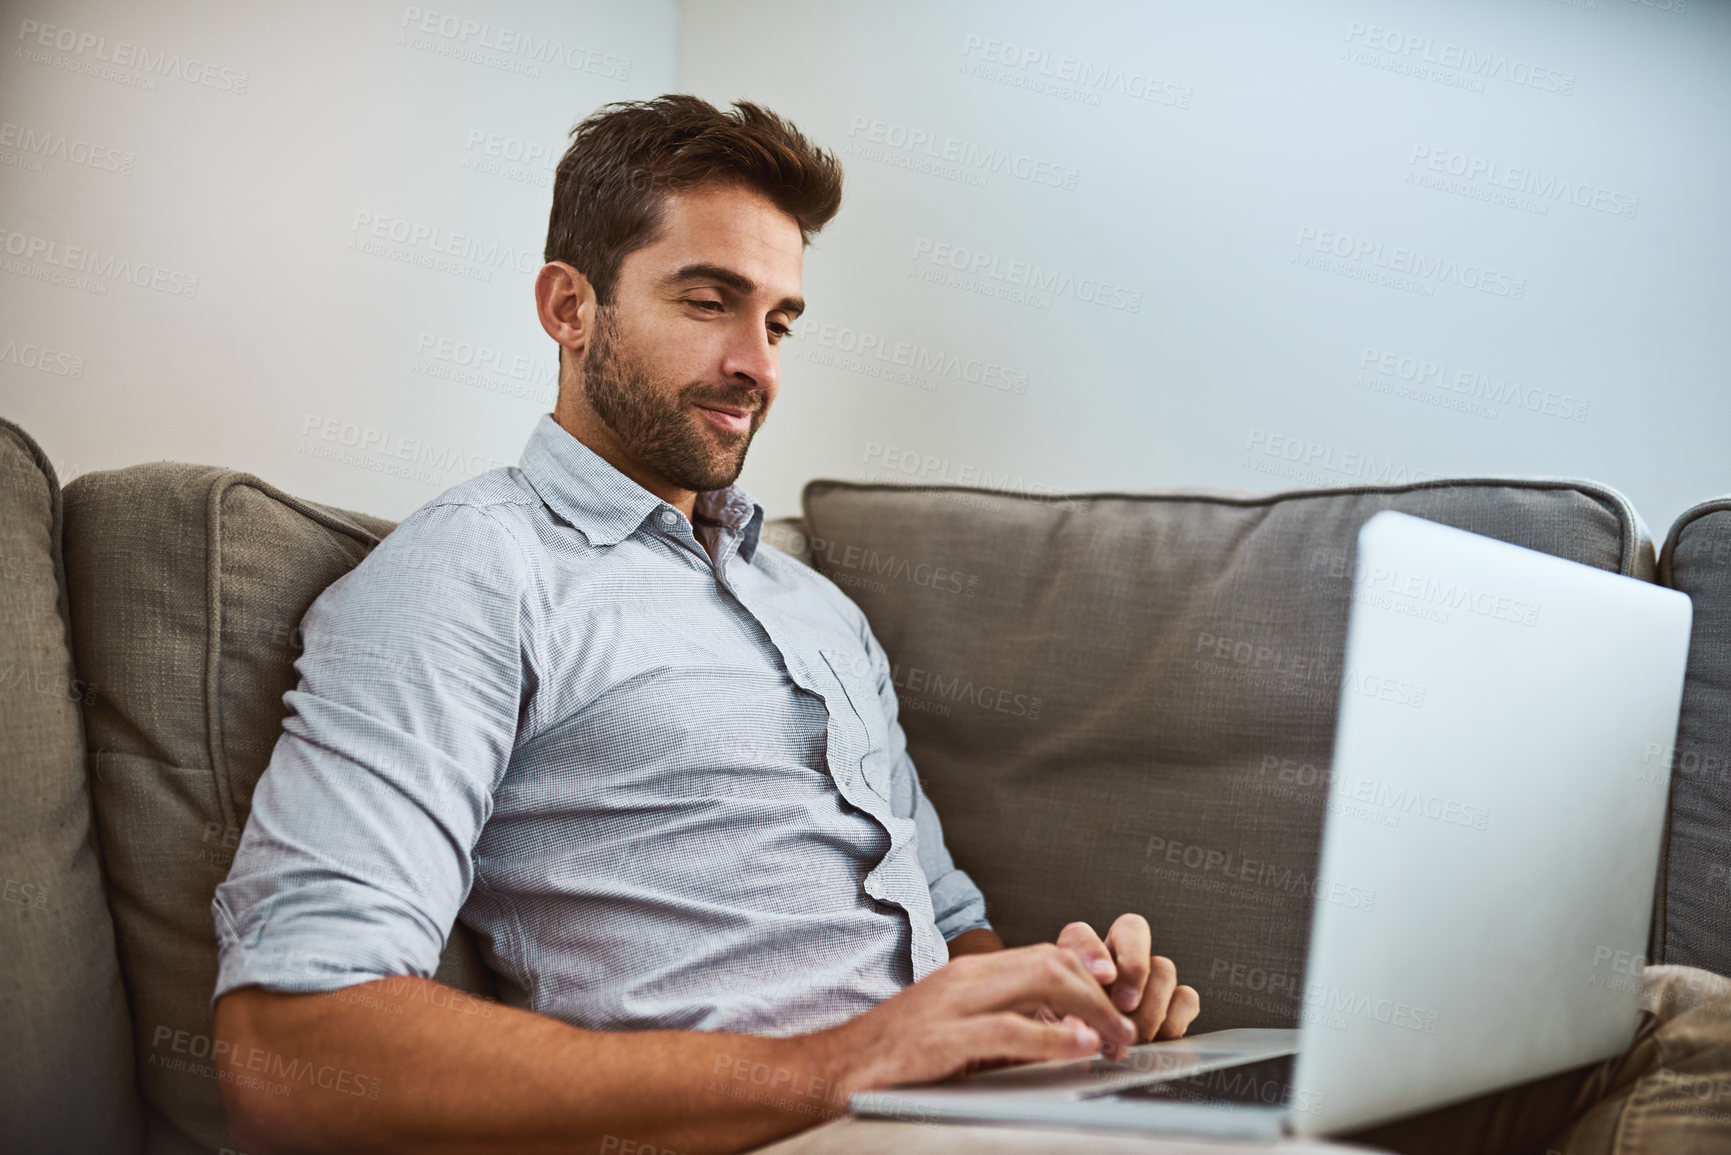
<point>1131,944</point>
<point>984,1038</point>
<point>1156,997</point>
<point>1028,977</point>
<point>1186,1004</point>
<point>979,1042</point>
<point>1079,938</point>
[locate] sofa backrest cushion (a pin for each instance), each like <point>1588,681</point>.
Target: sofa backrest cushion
<point>188,584</point>
<point>1697,911</point>
<point>788,535</point>
<point>1126,702</point>
<point>66,1065</point>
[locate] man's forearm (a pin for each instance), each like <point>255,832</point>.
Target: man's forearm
<point>976,941</point>
<point>406,1065</point>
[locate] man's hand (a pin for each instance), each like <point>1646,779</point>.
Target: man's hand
<point>1143,985</point>
<point>976,1010</point>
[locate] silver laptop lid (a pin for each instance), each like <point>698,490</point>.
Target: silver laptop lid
<point>1498,789</point>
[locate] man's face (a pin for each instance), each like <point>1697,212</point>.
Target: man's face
<point>683,364</point>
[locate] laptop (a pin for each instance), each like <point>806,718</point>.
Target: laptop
<point>1501,768</point>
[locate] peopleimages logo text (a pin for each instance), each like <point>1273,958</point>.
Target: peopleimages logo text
<point>470,355</point>
<point>1321,1001</point>
<point>1544,186</point>
<point>124,54</point>
<point>1472,383</point>
<point>508,41</point>
<point>1316,455</point>
<point>968,155</point>
<point>437,242</point>
<point>1405,800</point>
<point>837,556</point>
<point>1207,860</point>
<point>41,359</point>
<point>1412,262</point>
<point>59,146</point>
<point>1474,62</point>
<point>917,357</point>
<point>95,263</point>
<point>979,264</point>
<point>386,444</point>
<point>1087,77</point>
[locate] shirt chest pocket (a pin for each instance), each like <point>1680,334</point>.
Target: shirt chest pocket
<point>864,740</point>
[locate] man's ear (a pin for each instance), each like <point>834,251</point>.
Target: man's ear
<point>566,304</point>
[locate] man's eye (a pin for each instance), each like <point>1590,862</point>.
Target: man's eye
<point>780,330</point>
<point>714,306</point>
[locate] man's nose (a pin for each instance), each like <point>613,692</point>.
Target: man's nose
<point>751,359</point>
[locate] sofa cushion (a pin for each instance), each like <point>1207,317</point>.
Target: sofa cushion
<point>1696,930</point>
<point>1126,702</point>
<point>66,1066</point>
<point>188,584</point>
<point>788,535</point>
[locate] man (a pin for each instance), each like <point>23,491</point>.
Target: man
<point>653,762</point>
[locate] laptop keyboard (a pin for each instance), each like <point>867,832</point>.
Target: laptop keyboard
<point>1267,1082</point>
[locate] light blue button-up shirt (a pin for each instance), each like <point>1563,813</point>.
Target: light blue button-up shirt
<point>666,790</point>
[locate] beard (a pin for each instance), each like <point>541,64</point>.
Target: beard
<point>655,423</point>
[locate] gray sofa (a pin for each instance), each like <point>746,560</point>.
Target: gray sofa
<point>1109,697</point>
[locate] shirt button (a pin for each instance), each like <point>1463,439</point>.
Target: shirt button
<point>668,517</point>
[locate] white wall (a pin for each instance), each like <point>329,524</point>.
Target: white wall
<point>1190,156</point>
<point>262,171</point>
<point>1202,159</point>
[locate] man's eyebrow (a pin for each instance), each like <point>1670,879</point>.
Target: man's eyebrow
<point>738,282</point>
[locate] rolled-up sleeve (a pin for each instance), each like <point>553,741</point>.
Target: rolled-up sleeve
<point>957,904</point>
<point>357,854</point>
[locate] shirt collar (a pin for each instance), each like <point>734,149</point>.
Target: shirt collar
<point>607,506</point>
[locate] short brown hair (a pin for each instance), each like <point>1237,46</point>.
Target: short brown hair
<point>626,157</point>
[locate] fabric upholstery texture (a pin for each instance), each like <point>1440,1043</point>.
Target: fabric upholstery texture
<point>66,1063</point>
<point>1696,931</point>
<point>1125,702</point>
<point>788,535</point>
<point>187,587</point>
